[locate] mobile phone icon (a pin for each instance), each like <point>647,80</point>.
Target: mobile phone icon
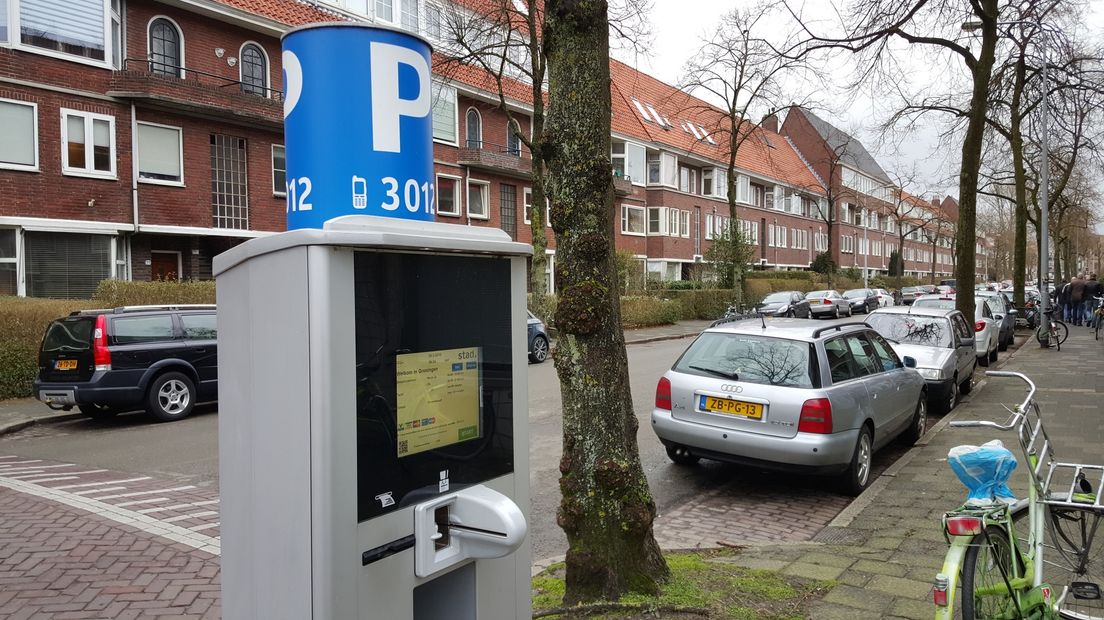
<point>360,192</point>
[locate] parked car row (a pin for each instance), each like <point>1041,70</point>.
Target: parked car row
<point>824,303</point>
<point>794,396</point>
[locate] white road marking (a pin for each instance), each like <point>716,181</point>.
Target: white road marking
<point>53,479</point>
<point>47,476</point>
<point>143,501</point>
<point>9,464</point>
<point>205,526</point>
<point>10,456</point>
<point>98,484</point>
<point>179,506</point>
<point>194,515</point>
<point>137,493</point>
<point>149,525</point>
<point>91,491</point>
<point>34,467</point>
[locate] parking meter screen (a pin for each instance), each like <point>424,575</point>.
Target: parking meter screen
<point>437,393</point>
<point>434,375</point>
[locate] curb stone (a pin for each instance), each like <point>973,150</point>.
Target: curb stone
<point>53,418</point>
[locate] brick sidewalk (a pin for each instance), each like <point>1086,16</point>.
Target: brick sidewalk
<point>59,562</point>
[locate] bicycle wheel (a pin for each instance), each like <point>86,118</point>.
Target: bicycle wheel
<point>987,567</point>
<point>1042,334</point>
<point>1072,535</point>
<point>1061,331</point>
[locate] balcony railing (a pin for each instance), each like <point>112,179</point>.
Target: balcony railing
<point>192,90</point>
<point>495,158</point>
<point>622,184</point>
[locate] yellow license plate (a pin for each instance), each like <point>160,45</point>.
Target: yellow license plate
<point>65,364</point>
<point>732,407</point>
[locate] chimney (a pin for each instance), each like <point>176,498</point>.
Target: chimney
<point>770,122</point>
<point>935,202</point>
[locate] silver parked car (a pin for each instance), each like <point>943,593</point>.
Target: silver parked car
<point>942,343</point>
<point>792,396</point>
<point>986,327</point>
<point>827,303</point>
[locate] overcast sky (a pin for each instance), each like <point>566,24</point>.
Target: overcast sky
<point>678,31</point>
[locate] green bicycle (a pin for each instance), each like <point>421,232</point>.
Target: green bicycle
<point>997,574</point>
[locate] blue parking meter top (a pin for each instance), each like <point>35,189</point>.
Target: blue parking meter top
<point>358,124</point>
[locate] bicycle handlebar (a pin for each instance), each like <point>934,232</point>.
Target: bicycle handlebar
<point>1016,415</point>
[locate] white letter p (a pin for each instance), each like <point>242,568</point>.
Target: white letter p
<point>387,107</point>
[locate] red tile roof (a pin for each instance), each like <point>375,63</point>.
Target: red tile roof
<point>290,12</point>
<point>764,153</point>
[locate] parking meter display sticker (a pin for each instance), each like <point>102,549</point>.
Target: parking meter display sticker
<point>438,397</point>
<point>358,124</point>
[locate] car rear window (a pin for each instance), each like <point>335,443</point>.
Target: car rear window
<point>750,359</point>
<point>199,326</point>
<point>929,331</point>
<point>69,335</point>
<point>142,329</point>
<point>944,304</point>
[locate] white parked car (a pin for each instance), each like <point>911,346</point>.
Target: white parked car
<point>986,327</point>
<point>885,298</point>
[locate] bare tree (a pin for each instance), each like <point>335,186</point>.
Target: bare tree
<point>740,68</point>
<point>606,508</point>
<point>869,28</point>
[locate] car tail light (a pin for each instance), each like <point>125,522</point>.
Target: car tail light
<point>816,417</point>
<point>939,590</point>
<point>663,394</point>
<point>979,326</point>
<point>825,301</point>
<point>100,353</point>
<point>963,526</point>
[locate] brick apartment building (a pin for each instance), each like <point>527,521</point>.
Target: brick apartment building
<point>142,137</point>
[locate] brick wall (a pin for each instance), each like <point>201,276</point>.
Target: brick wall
<point>48,193</point>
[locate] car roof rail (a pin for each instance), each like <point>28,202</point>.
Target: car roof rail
<point>839,328</point>
<point>90,311</point>
<point>125,309</point>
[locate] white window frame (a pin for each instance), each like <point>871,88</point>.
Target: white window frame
<point>457,200</point>
<point>486,199</point>
<point>441,87</point>
<point>684,224</point>
<point>672,222</point>
<point>467,138</point>
<point>709,226</point>
<point>110,45</point>
<point>179,33</point>
<point>34,131</point>
<point>526,204</point>
<point>89,154</point>
<point>624,220</point>
<point>662,224</point>
<point>275,192</point>
<point>180,156</point>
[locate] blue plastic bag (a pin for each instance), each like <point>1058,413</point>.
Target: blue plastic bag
<point>984,470</point>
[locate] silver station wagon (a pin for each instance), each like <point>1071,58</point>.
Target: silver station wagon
<point>789,395</point>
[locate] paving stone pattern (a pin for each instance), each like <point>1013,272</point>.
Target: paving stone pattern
<point>59,563</point>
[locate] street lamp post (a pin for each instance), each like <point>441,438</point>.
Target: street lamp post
<point>866,252</point>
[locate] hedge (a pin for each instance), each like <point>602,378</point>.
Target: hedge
<point>808,276</point>
<point>25,322</point>
<point>645,311</point>
<point>703,304</point>
<point>114,293</point>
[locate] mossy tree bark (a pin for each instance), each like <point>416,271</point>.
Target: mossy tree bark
<point>607,508</point>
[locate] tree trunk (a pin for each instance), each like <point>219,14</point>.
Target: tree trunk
<point>1019,171</point>
<point>607,509</point>
<point>538,283</point>
<point>966,239</point>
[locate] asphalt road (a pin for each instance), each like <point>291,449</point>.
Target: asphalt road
<point>187,450</point>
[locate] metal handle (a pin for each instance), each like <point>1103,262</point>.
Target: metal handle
<point>1017,414</point>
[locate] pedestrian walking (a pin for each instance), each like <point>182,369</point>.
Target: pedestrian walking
<point>1093,289</point>
<point>1063,299</point>
<point>1077,297</point>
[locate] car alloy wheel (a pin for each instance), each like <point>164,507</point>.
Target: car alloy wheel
<point>919,421</point>
<point>953,399</point>
<point>171,397</point>
<point>837,313</point>
<point>857,476</point>
<point>540,349</point>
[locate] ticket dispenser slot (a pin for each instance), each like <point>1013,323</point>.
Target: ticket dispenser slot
<point>477,523</point>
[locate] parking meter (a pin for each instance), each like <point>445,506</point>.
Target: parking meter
<point>373,433</point>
